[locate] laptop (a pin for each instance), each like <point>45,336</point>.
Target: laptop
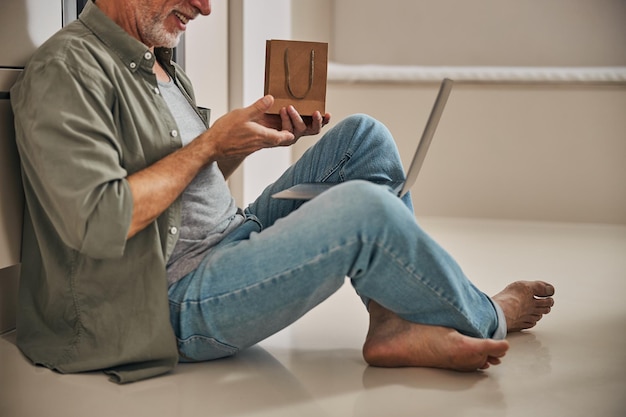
<point>307,191</point>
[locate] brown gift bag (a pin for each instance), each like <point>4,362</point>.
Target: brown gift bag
<point>295,74</point>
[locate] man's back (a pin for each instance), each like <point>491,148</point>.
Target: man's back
<point>88,113</point>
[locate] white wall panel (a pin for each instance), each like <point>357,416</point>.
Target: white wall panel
<point>206,58</point>
<point>252,22</point>
<point>25,24</point>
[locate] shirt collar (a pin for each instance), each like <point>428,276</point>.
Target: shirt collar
<point>132,52</point>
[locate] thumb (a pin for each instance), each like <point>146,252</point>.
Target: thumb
<point>262,105</point>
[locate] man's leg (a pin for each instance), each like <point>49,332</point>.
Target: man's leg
<point>246,290</point>
<point>254,284</point>
<point>359,147</point>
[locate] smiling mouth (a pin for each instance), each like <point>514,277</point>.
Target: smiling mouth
<point>184,19</point>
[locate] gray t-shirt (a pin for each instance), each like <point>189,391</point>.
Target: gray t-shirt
<point>209,211</point>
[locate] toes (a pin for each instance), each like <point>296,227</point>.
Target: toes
<point>492,360</point>
<point>544,302</point>
<point>542,289</point>
<point>542,310</point>
<point>525,302</point>
<point>543,305</point>
<point>531,320</point>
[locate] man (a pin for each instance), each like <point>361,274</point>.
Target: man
<point>136,256</point>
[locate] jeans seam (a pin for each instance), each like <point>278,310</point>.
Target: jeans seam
<point>336,168</point>
<point>401,265</point>
<point>426,283</point>
<point>267,280</point>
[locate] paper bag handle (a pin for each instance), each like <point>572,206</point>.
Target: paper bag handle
<point>288,74</point>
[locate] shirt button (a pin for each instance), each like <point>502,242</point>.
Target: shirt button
<point>132,65</point>
<point>147,55</point>
<point>173,230</point>
<point>156,90</point>
<point>174,133</point>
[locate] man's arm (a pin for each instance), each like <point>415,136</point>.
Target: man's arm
<point>229,141</point>
<point>231,138</point>
<point>228,166</point>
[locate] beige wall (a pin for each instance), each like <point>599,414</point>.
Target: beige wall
<point>480,32</point>
<point>535,151</point>
<point>530,153</point>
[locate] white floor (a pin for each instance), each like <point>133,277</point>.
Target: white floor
<point>572,364</point>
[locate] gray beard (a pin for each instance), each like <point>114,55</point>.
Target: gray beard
<point>154,33</point>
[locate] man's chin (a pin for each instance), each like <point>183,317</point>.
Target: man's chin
<point>172,42</point>
<point>165,40</point>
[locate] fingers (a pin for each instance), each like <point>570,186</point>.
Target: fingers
<point>285,118</point>
<point>326,119</point>
<point>289,124</point>
<point>292,121</point>
<point>318,122</point>
<point>272,136</point>
<point>262,105</point>
<point>300,126</point>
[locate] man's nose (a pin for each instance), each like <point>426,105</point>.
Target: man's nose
<point>204,6</point>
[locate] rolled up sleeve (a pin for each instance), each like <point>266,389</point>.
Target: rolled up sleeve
<point>72,158</point>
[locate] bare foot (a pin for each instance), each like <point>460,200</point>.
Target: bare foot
<point>524,303</point>
<point>394,342</point>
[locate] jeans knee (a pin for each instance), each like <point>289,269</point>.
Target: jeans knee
<point>373,202</point>
<point>367,125</point>
<point>361,119</point>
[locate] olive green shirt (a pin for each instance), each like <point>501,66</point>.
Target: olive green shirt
<point>88,113</point>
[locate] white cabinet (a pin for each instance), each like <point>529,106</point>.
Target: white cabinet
<point>11,196</point>
<point>24,25</point>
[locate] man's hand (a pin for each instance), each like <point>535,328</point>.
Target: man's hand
<point>290,120</point>
<point>283,129</point>
<point>244,131</point>
<point>241,132</point>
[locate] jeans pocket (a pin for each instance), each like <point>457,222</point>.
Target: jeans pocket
<point>201,348</point>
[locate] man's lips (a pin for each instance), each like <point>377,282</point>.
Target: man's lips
<point>184,19</point>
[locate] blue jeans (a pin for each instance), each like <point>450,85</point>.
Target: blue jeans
<point>289,256</point>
